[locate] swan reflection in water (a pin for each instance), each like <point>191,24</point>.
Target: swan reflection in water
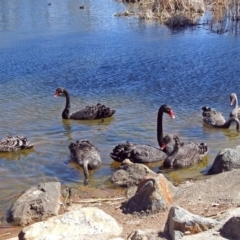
<point>16,155</point>
<point>231,133</point>
<point>67,125</point>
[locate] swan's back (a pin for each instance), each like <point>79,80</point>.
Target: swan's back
<point>184,155</point>
<point>212,117</point>
<point>93,112</point>
<point>137,153</point>
<point>11,144</point>
<point>85,151</point>
<point>189,154</point>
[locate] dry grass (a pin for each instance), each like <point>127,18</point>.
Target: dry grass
<point>163,10</point>
<point>186,12</point>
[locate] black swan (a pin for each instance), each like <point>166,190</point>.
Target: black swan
<point>86,155</point>
<point>184,155</point>
<point>11,144</point>
<point>215,119</point>
<point>140,153</point>
<point>234,102</point>
<point>88,113</point>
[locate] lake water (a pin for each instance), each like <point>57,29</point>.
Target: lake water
<point>131,65</point>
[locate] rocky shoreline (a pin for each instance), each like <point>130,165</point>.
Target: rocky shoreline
<point>148,207</point>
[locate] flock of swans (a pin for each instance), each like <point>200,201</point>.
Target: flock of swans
<point>181,155</point>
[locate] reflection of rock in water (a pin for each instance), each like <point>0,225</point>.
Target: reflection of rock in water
<point>225,16</point>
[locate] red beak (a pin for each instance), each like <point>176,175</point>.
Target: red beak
<point>163,146</point>
<point>171,114</point>
<point>56,94</point>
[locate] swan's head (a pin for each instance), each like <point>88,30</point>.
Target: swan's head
<point>165,141</point>
<point>59,91</point>
<point>167,109</point>
<point>177,144</point>
<point>206,109</point>
<point>233,98</point>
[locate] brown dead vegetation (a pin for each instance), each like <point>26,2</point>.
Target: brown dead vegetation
<point>224,15</point>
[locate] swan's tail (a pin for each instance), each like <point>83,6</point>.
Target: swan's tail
<point>11,144</point>
<point>121,151</point>
<point>103,111</point>
<point>203,148</point>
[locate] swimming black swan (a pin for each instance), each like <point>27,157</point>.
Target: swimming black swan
<point>86,155</point>
<point>11,144</point>
<point>184,155</point>
<point>88,113</point>
<point>234,102</point>
<point>139,153</point>
<point>215,119</point>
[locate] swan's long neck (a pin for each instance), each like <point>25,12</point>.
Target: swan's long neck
<point>174,152</point>
<point>66,111</point>
<point>160,127</point>
<point>236,102</point>
<point>227,124</point>
<point>169,161</point>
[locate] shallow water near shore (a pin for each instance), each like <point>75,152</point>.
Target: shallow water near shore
<point>125,63</point>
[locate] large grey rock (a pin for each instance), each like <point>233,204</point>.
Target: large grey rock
<point>38,203</point>
<point>226,160</point>
<point>231,229</point>
<point>130,174</point>
<point>181,222</point>
<point>154,193</point>
<point>220,232</point>
<point>84,224</point>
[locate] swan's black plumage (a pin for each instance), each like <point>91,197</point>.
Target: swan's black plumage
<point>215,119</point>
<point>98,111</point>
<point>140,153</point>
<point>14,143</point>
<point>86,155</point>
<point>184,155</point>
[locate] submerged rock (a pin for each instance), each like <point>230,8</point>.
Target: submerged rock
<point>129,174</point>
